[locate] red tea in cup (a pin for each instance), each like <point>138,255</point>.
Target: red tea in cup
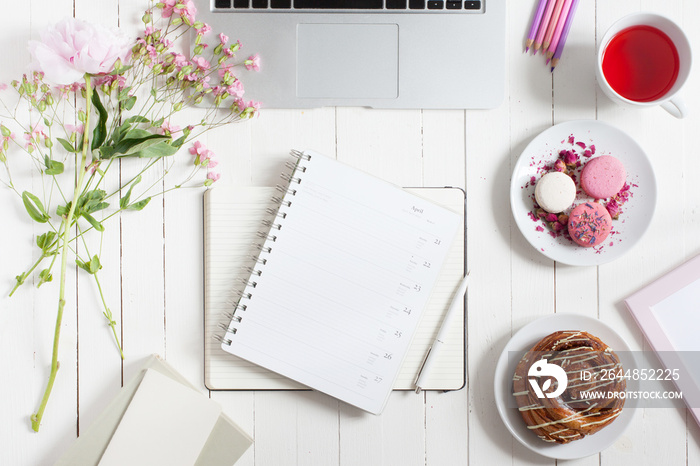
<point>641,63</point>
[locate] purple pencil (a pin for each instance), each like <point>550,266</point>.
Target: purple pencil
<point>535,25</point>
<point>564,34</point>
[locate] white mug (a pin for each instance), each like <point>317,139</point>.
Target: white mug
<point>671,101</point>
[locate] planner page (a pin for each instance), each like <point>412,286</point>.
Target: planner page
<point>232,218</point>
<point>338,297</point>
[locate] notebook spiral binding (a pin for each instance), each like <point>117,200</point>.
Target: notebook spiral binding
<point>268,236</point>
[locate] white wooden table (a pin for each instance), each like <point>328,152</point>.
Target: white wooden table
<point>153,263</point>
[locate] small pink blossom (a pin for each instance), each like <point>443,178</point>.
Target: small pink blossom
<point>236,89</point>
<point>201,153</point>
<point>3,86</point>
<point>205,29</point>
<point>180,60</point>
<point>569,157</point>
<point>71,129</point>
<point>213,176</point>
<point>168,129</point>
<point>253,63</point>
<point>560,166</point>
<point>223,38</point>
<point>201,62</point>
<point>613,208</point>
<point>188,12</point>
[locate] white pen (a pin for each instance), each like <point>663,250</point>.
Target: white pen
<point>434,349</point>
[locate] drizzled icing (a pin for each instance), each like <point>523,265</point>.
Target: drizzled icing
<point>569,416</point>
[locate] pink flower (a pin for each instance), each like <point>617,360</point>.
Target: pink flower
<point>169,129</point>
<point>213,176</point>
<point>223,38</point>
<point>569,157</point>
<point>560,166</point>
<point>188,12</point>
<point>202,154</point>
<point>70,129</point>
<point>36,134</point>
<point>73,48</point>
<point>236,89</point>
<point>180,60</point>
<point>253,63</point>
<point>205,29</point>
<point>3,86</point>
<point>201,62</point>
<point>613,208</point>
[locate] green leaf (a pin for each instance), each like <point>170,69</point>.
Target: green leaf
<point>44,277</point>
<point>92,201</point>
<point>92,221</point>
<point>124,201</point>
<point>133,142</point>
<point>91,267</point>
<point>63,210</point>
<point>95,264</point>
<point>46,240</point>
<point>177,143</point>
<point>99,134</point>
<point>34,207</point>
<point>124,93</point>
<point>139,205</point>
<point>161,149</point>
<point>67,145</point>
<point>52,167</point>
<point>130,102</point>
<point>137,119</point>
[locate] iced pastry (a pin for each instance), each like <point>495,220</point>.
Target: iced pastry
<point>555,192</point>
<point>589,224</point>
<point>603,177</point>
<point>555,382</point>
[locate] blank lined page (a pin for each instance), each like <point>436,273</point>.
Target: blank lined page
<point>342,290</point>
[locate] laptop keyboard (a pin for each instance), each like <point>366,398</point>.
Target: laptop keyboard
<point>392,5</point>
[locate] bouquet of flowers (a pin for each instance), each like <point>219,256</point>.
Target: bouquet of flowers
<point>97,99</point>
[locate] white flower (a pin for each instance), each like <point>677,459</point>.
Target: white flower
<point>72,48</point>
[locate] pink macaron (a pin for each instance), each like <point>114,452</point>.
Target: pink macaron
<point>589,224</point>
<point>603,177</point>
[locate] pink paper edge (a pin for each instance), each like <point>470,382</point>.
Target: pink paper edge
<point>640,303</point>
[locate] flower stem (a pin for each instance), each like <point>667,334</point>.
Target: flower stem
<point>67,221</point>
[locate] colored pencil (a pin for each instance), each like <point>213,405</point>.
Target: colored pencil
<point>558,30</point>
<point>564,34</point>
<point>535,25</point>
<point>552,25</point>
<point>543,25</point>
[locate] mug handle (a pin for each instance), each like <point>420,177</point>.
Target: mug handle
<point>675,107</point>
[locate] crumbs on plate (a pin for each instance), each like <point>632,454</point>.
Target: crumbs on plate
<point>572,157</point>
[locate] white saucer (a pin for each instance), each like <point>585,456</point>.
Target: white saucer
<point>608,140</point>
<point>525,339</point>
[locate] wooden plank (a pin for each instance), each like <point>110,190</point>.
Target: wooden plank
<point>387,144</point>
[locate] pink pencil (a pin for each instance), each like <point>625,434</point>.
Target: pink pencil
<point>562,40</point>
<point>560,27</point>
<point>552,24</point>
<point>543,24</point>
<point>535,25</point>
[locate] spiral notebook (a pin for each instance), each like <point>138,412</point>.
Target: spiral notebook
<point>332,301</point>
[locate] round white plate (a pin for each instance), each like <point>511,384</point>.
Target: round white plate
<point>608,140</point>
<point>524,340</point>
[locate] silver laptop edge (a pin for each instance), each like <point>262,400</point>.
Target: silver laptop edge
<point>312,58</point>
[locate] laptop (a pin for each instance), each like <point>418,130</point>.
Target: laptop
<point>432,54</point>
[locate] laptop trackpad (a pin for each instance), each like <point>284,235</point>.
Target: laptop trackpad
<point>347,61</point>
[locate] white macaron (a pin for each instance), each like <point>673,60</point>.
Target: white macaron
<point>555,192</point>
